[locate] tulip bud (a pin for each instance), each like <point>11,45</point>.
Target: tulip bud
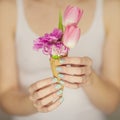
<point>71,36</point>
<point>72,16</point>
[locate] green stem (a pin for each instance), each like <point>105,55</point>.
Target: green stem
<point>60,25</point>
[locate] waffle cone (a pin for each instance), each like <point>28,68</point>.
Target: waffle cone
<point>54,63</point>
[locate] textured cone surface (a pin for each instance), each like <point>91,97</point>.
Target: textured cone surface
<point>54,63</point>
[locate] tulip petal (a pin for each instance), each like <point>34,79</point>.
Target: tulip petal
<point>71,36</point>
<point>72,15</point>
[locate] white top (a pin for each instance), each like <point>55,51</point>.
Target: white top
<point>34,66</point>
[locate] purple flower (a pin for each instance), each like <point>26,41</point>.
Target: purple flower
<point>51,44</point>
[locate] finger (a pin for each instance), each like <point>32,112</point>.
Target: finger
<point>71,85</point>
<point>54,105</point>
<point>46,91</point>
<point>73,70</point>
<point>42,83</point>
<point>72,79</point>
<point>76,60</point>
<point>49,99</point>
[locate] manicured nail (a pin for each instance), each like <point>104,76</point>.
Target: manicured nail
<point>61,100</point>
<point>59,92</point>
<point>58,86</point>
<point>54,80</point>
<point>62,83</point>
<point>58,69</point>
<point>62,61</point>
<point>60,75</point>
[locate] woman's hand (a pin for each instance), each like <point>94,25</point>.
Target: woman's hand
<point>74,71</point>
<point>46,94</point>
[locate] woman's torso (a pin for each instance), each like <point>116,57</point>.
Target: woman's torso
<point>34,66</point>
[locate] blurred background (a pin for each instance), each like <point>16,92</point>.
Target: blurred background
<point>3,116</point>
<point>114,116</point>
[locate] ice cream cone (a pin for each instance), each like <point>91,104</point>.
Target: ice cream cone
<point>54,63</point>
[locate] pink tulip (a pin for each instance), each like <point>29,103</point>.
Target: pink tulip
<point>71,36</point>
<point>72,15</point>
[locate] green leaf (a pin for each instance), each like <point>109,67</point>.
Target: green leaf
<point>55,56</point>
<point>60,26</point>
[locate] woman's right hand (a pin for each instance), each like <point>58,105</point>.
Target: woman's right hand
<point>46,95</point>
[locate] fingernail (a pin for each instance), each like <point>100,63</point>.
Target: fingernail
<point>54,80</point>
<point>58,69</point>
<point>58,86</point>
<point>59,92</point>
<point>61,100</point>
<point>60,75</point>
<point>62,83</point>
<point>62,61</point>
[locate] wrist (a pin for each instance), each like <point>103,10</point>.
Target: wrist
<point>29,103</point>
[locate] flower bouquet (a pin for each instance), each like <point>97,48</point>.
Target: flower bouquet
<point>58,43</point>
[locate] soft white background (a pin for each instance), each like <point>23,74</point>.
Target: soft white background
<point>115,116</point>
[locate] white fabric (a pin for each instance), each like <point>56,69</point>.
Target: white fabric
<point>34,66</point>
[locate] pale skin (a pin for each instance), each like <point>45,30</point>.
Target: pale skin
<point>103,91</point>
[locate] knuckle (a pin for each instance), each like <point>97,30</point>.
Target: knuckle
<point>32,88</point>
<point>76,86</point>
<point>68,70</point>
<point>52,88</point>
<point>80,79</point>
<point>80,71</point>
<point>36,94</point>
<point>65,69</point>
<point>71,80</point>
<point>89,60</point>
<point>49,109</point>
<point>39,109</point>
<point>40,94</point>
<point>86,57</point>
<point>70,60</point>
<point>88,70</point>
<point>80,60</point>
<point>42,102</point>
<point>73,86</point>
<point>34,105</point>
<point>83,79</point>
<point>37,85</point>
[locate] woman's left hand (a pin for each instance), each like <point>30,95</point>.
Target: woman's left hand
<point>74,71</point>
